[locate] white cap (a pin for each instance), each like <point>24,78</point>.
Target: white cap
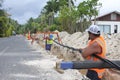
<point>94,29</point>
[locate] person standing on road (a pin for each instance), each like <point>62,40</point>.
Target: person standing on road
<point>49,42</point>
<point>96,46</point>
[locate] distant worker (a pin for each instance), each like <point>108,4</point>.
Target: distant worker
<point>13,33</point>
<point>29,35</point>
<point>96,46</point>
<point>49,42</point>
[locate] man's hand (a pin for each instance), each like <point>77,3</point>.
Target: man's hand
<point>80,50</point>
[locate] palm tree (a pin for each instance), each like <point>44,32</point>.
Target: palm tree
<point>53,6</point>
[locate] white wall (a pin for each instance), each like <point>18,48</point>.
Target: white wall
<point>111,23</point>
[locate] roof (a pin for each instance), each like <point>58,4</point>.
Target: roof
<point>108,14</point>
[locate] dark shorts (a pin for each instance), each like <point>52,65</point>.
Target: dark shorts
<point>48,46</point>
<point>92,75</point>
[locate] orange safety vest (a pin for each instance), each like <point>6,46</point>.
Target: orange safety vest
<point>101,42</point>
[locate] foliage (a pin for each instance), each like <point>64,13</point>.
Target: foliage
<point>3,26</point>
<point>68,18</point>
<point>7,25</point>
<point>63,15</point>
<point>66,3</point>
<point>53,27</point>
<point>86,10</point>
<point>51,6</point>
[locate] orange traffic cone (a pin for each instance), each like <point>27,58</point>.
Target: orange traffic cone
<point>29,35</point>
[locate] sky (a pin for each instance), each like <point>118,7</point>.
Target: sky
<point>22,10</point>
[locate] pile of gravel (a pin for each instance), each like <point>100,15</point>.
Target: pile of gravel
<point>76,40</point>
<point>79,40</point>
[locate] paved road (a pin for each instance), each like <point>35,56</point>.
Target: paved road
<point>14,51</point>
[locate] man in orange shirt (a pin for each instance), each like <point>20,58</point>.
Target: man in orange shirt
<point>96,46</point>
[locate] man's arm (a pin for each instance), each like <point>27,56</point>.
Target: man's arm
<point>89,50</point>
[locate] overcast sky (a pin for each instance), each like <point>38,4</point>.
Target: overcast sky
<point>22,10</point>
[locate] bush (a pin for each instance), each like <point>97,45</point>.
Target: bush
<point>53,27</point>
<point>2,35</point>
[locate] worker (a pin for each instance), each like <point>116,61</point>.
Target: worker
<point>49,42</point>
<point>96,46</point>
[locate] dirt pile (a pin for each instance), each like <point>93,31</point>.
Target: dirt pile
<point>79,40</point>
<point>113,46</point>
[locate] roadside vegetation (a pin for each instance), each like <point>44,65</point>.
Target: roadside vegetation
<point>62,15</point>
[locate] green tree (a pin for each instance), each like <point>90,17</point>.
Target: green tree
<point>51,8</point>
<point>3,26</point>
<point>68,18</point>
<point>86,10</point>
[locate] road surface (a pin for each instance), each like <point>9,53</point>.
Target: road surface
<point>20,61</point>
<point>14,52</point>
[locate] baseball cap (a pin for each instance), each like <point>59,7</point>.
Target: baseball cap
<point>94,29</point>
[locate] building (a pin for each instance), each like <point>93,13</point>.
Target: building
<point>108,23</point>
